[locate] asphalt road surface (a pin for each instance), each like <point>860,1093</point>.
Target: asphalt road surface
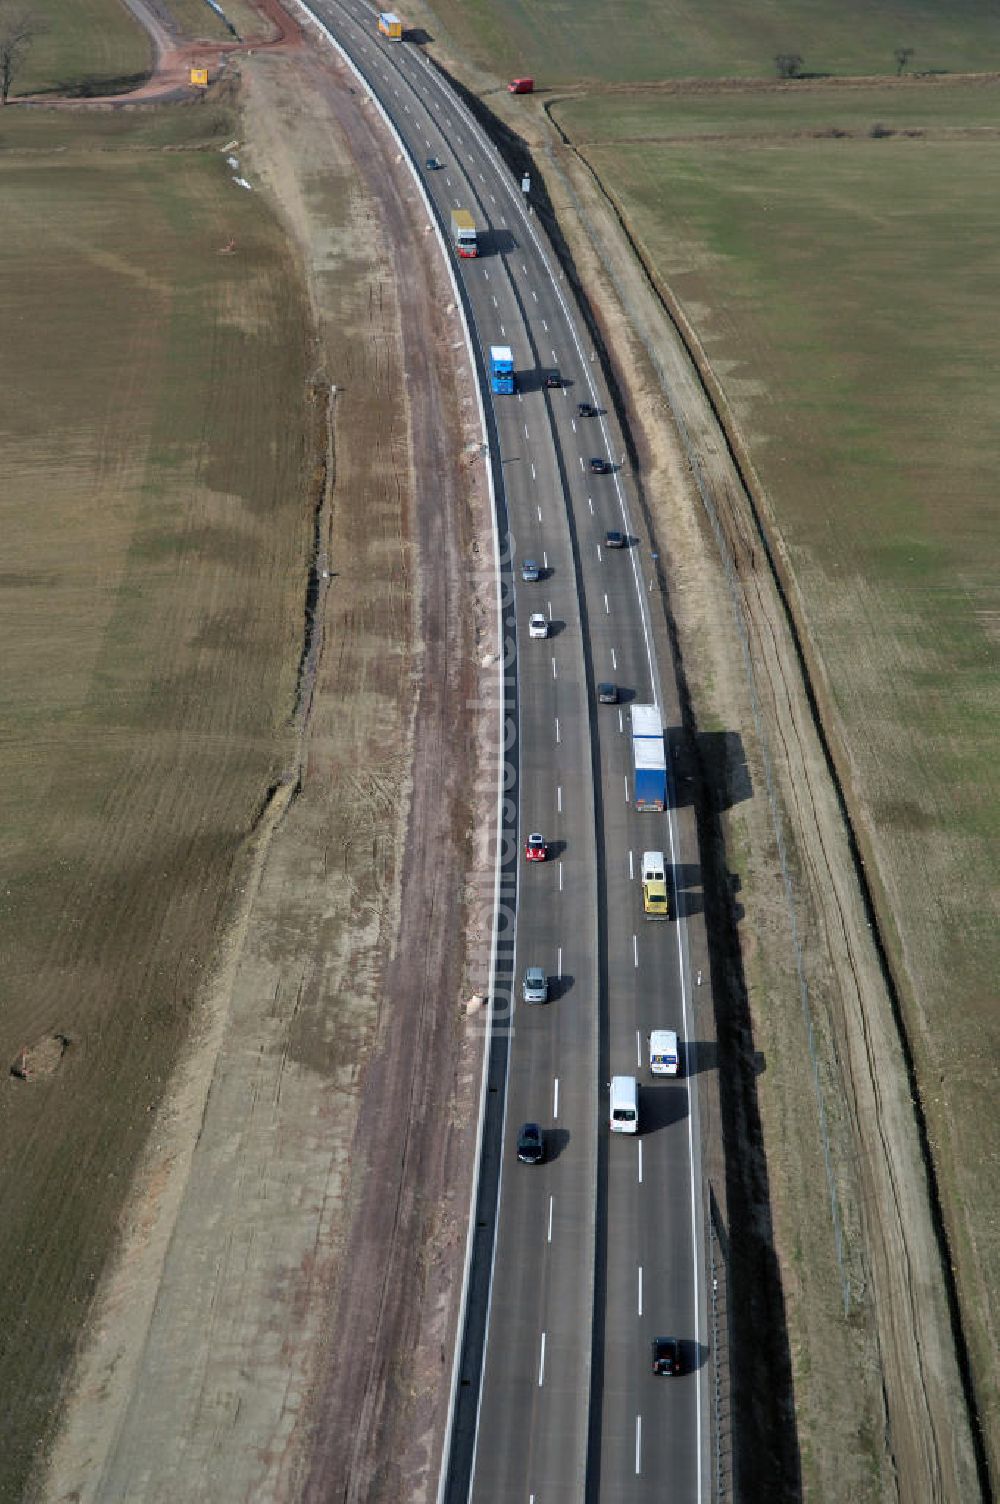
<point>599,1249</point>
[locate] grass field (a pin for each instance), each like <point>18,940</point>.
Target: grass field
<point>629,41</point>
<point>157,517</point>
<point>842,290</point>
<point>84,47</point>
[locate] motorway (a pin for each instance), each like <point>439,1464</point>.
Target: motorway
<point>599,1249</point>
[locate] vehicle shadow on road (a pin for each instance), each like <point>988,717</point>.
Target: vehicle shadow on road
<point>694,1355</point>
<point>685,883</point>
<point>661,1107</point>
<point>559,986</point>
<point>697,1057</point>
<point>556,1140</point>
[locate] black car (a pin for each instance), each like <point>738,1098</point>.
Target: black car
<point>530,1144</point>
<point>585,410</point>
<point>599,466</point>
<point>607,694</point>
<point>553,379</point>
<point>614,539</point>
<point>666,1355</point>
<point>433,164</point>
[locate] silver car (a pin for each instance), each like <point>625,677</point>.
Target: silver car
<point>535,986</point>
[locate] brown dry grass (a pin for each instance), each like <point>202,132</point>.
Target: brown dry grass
<point>156,525</point>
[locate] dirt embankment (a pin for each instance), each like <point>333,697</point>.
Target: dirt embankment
<point>299,1224</point>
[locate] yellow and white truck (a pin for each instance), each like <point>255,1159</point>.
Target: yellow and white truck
<point>390,26</point>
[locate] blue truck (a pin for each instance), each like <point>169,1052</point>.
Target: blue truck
<point>501,368</point>
<point>649,758</point>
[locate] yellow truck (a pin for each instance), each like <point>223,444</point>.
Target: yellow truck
<point>654,886</point>
<point>390,26</point>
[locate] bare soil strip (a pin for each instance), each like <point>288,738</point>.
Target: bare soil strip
<point>280,1322</point>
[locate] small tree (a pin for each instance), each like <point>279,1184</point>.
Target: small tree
<point>788,64</point>
<point>903,55</point>
<point>18,29</point>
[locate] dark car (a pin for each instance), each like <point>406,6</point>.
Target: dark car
<point>585,410</point>
<point>433,164</point>
<point>599,466</point>
<point>553,379</point>
<point>666,1355</point>
<point>530,1144</point>
<point>614,539</point>
<point>607,694</point>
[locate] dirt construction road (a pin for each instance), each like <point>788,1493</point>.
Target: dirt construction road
<point>299,1224</point>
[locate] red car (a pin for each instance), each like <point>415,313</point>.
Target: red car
<point>535,848</point>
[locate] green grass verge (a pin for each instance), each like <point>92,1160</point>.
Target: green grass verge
<point>922,105</point>
<point>627,41</point>
<point>86,47</point>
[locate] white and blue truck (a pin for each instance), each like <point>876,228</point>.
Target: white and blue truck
<point>649,758</point>
<point>501,368</point>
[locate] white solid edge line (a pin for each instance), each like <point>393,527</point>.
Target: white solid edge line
<point>529,229</point>
<point>470,1235</point>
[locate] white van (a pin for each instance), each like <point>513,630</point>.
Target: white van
<point>624,1104</point>
<point>663,1057</point>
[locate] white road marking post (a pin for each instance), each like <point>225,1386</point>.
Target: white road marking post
<point>555,1098</point>
<point>640,1289</point>
<point>541,1365</point>
<point>614,660</point>
<point>638,1444</point>
<point>631,869</point>
<point>640,1161</point>
<point>560,877</point>
<point>626,788</point>
<point>590,503</point>
<point>621,723</point>
<point>559,964</point>
<point>554,674</point>
<point>638,1049</point>
<point>559,798</point>
<point>607,608</point>
<point>539,514</point>
<point>545,560</point>
<point>557,731</point>
<point>549,1239</point>
<point>635,949</point>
